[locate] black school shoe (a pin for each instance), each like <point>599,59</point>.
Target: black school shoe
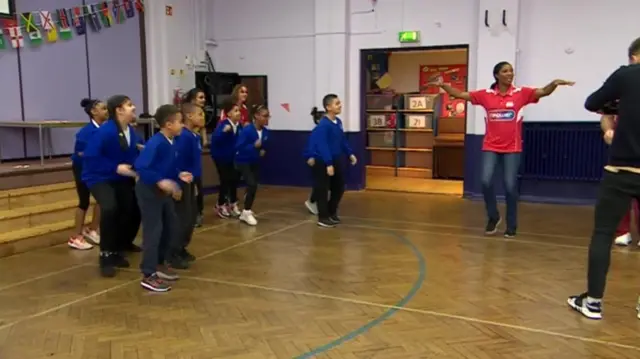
<point>107,263</point>
<point>187,256</point>
<point>326,223</point>
<point>177,262</point>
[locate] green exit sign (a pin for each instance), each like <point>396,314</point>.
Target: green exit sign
<point>409,36</point>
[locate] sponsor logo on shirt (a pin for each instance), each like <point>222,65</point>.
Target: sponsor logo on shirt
<point>502,115</point>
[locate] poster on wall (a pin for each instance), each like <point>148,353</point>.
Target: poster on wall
<point>453,75</point>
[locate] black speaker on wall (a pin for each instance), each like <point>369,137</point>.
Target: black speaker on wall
<point>217,87</point>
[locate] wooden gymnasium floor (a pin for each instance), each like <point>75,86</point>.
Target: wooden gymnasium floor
<point>405,276</point>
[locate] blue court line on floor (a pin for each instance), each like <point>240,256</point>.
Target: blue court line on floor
<point>422,274</point>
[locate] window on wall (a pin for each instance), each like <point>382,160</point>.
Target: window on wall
<point>7,8</point>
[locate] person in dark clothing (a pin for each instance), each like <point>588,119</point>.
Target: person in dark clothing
<point>330,146</point>
<point>223,152</point>
<point>311,203</point>
<point>189,151</point>
<point>621,179</point>
<point>197,97</point>
<point>250,148</point>
<point>98,114</point>
<point>108,173</point>
<point>156,189</point>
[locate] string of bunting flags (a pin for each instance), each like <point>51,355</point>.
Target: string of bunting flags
<point>60,23</point>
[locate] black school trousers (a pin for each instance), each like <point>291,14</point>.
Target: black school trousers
<point>200,196</point>
<point>250,173</point>
<point>187,213</point>
<point>120,216</point>
<point>159,226</point>
<point>229,178</point>
<point>331,187</point>
<point>617,189</point>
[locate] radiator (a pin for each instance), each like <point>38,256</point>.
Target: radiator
<point>563,151</point>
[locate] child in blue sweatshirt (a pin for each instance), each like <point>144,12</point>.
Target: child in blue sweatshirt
<point>189,148</point>
<point>157,188</point>
<point>97,111</point>
<point>223,152</point>
<point>330,146</point>
<point>108,173</point>
<point>311,203</point>
<point>250,147</point>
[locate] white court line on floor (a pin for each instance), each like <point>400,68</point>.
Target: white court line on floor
<point>431,224</point>
<point>413,310</point>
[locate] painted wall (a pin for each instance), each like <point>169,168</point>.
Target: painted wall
<point>175,42</point>
<point>55,77</point>
<point>317,50</point>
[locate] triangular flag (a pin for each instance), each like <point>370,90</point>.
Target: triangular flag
<point>128,8</point>
<point>286,107</point>
<point>2,44</point>
<point>91,15</point>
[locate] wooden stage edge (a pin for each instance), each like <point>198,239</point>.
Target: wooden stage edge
<point>29,173</point>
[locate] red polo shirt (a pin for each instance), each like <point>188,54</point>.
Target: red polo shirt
<point>504,117</point>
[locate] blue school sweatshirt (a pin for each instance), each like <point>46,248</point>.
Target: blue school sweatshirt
<point>158,160</point>
<point>329,141</point>
<point>83,137</point>
<point>246,151</point>
<point>309,150</point>
<point>223,144</point>
<point>189,150</point>
<point>106,150</point>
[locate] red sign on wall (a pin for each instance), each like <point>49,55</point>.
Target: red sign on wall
<point>453,75</point>
<point>168,10</point>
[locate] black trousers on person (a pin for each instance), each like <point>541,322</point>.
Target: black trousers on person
<point>120,216</point>
<point>160,226</point>
<point>84,195</point>
<point>614,198</point>
<point>251,174</point>
<point>200,196</point>
<point>323,184</point>
<point>229,179</point>
<point>187,212</point>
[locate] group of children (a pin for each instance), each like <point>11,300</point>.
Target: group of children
<point>158,183</point>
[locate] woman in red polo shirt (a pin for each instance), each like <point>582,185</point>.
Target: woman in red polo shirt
<point>623,232</point>
<point>502,142</point>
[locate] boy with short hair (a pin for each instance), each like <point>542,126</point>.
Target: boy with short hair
<point>329,145</point>
<point>189,149</point>
<point>157,187</point>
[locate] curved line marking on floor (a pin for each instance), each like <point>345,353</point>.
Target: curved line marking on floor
<point>422,273</point>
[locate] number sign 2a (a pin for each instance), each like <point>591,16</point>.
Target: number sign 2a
<point>417,121</point>
<point>377,121</point>
<point>418,103</point>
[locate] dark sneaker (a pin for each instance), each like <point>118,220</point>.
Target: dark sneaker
<point>167,273</point>
<point>187,256</point>
<point>510,233</point>
<point>492,226</point>
<point>335,219</point>
<point>107,265</point>
<point>326,223</point>
<point>178,263</point>
<point>155,284</point>
<point>580,305</point>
